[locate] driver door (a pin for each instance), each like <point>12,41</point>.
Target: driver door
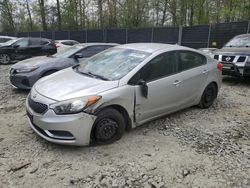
<point>21,49</point>
<point>163,83</point>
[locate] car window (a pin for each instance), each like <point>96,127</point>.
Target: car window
<point>22,43</point>
<point>70,43</point>
<point>67,43</point>
<point>161,66</point>
<point>35,42</point>
<point>2,40</point>
<point>44,42</point>
<point>74,42</point>
<point>190,60</point>
<point>92,50</point>
<point>69,52</point>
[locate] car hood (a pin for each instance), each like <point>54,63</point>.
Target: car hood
<point>233,51</point>
<point>37,61</point>
<point>68,84</point>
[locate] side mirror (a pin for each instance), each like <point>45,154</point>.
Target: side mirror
<point>15,46</point>
<point>78,55</point>
<point>144,88</point>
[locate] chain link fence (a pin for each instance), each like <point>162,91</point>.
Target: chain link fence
<point>200,36</point>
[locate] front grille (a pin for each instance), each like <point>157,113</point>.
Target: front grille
<point>37,106</point>
<point>241,59</point>
<point>228,58</point>
<point>25,82</point>
<point>231,59</point>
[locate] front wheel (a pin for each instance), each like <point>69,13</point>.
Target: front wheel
<point>109,126</point>
<point>208,96</point>
<point>4,59</point>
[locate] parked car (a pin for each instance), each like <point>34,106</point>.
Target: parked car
<point>120,88</point>
<point>4,39</point>
<point>23,48</point>
<point>25,73</point>
<point>64,44</point>
<point>209,51</point>
<point>235,56</point>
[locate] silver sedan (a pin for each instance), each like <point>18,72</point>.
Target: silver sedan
<point>119,89</point>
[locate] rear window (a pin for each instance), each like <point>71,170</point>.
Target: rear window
<point>190,60</point>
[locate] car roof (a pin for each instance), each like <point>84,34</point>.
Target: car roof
<point>96,44</point>
<point>2,36</point>
<point>153,47</point>
<point>65,40</point>
<point>243,35</point>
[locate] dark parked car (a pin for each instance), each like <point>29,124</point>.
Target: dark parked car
<point>23,48</point>
<point>235,56</point>
<point>25,73</point>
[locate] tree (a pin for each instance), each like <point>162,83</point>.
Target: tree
<point>42,11</point>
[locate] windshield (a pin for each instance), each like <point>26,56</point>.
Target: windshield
<point>112,64</point>
<point>10,42</point>
<point>239,42</point>
<point>68,51</point>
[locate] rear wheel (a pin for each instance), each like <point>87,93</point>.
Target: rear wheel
<point>4,59</point>
<point>208,96</point>
<point>109,126</point>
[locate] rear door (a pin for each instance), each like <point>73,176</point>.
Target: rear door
<point>162,80</point>
<point>194,73</point>
<point>35,47</point>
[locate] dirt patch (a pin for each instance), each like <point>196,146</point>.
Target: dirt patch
<point>191,148</point>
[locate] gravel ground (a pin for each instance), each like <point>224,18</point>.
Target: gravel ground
<point>191,148</point>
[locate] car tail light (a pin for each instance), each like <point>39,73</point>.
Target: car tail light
<point>220,66</point>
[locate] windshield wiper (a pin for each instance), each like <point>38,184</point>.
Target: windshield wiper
<point>97,76</point>
<point>76,67</point>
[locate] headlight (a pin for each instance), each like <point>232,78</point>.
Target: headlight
<point>74,106</point>
<point>26,69</point>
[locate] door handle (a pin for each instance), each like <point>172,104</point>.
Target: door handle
<point>176,82</point>
<point>205,72</point>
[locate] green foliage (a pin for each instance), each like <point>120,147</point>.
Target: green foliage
<point>35,15</point>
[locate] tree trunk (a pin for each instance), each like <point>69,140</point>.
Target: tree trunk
<point>30,19</point>
<point>100,13</point>
<point>59,15</point>
<point>42,10</point>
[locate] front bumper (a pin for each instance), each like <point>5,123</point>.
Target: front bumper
<point>20,82</point>
<point>232,69</point>
<point>73,129</point>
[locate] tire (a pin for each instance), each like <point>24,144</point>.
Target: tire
<point>208,96</point>
<point>108,127</point>
<point>49,73</point>
<point>5,59</point>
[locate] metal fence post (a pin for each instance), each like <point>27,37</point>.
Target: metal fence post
<point>69,34</point>
<point>248,27</point>
<point>86,35</point>
<point>209,35</point>
<point>152,35</point>
<point>180,35</point>
<point>104,35</point>
<point>126,35</point>
<point>53,35</point>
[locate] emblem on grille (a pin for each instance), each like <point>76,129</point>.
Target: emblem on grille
<point>34,96</point>
<point>228,58</point>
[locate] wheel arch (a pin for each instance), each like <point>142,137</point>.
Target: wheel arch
<point>46,71</point>
<point>120,109</point>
